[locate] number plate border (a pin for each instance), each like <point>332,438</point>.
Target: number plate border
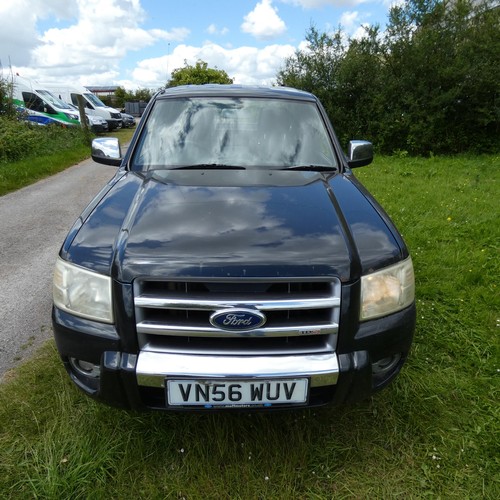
<point>246,406</point>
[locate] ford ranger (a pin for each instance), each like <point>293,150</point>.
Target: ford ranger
<point>233,261</point>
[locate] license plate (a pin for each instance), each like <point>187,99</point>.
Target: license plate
<point>236,393</point>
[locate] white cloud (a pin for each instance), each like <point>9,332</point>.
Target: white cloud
<point>393,3</point>
<point>18,34</point>
<point>174,35</point>
<point>263,22</point>
<point>360,31</point>
<point>90,49</point>
<point>352,24</point>
<point>214,30</point>
<point>315,4</point>
<point>246,65</point>
<point>349,20</point>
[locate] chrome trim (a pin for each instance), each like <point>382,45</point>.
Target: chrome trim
<point>156,302</point>
<point>156,344</point>
<point>166,309</point>
<point>106,147</point>
<point>153,368</point>
<point>152,328</point>
<point>360,153</point>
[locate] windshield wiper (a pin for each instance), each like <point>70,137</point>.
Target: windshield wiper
<point>315,168</point>
<point>215,166</point>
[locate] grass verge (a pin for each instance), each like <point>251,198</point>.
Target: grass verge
<point>433,433</point>
<point>21,173</point>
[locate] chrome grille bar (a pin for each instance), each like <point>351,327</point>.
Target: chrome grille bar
<point>198,304</point>
<point>152,328</point>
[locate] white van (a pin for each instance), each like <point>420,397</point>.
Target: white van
<point>70,93</point>
<point>39,105</point>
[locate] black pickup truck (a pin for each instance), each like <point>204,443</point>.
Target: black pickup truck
<point>233,261</point>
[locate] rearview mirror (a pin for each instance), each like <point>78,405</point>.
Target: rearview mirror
<point>360,153</point>
<point>107,150</point>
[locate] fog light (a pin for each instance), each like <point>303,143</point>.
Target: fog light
<point>85,368</point>
<point>385,365</point>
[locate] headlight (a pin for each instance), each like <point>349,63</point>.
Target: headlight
<point>387,291</point>
<point>71,116</point>
<point>82,292</point>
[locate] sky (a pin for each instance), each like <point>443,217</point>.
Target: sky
<point>137,43</point>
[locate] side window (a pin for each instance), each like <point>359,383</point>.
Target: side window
<point>74,100</point>
<point>33,102</point>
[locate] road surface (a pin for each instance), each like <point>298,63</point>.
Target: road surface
<point>33,224</point>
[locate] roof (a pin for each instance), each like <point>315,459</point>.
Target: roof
<point>102,88</point>
<point>236,90</point>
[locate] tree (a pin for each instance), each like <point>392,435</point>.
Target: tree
<point>441,73</point>
<point>122,96</point>
<point>6,91</point>
<point>428,85</point>
<point>198,74</point>
<point>345,75</point>
<point>316,68</point>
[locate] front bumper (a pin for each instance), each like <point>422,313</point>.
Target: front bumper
<point>152,368</point>
<point>114,123</point>
<point>99,128</point>
<point>136,379</point>
<point>128,123</point>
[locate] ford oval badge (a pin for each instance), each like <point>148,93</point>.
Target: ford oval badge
<point>237,319</point>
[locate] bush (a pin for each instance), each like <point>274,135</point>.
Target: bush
<point>20,139</point>
<point>427,84</point>
<point>6,106</point>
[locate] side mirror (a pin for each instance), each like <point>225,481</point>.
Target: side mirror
<point>360,153</point>
<point>107,150</point>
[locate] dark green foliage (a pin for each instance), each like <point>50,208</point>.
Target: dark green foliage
<point>430,84</point>
<point>6,105</point>
<point>198,74</point>
<point>20,139</point>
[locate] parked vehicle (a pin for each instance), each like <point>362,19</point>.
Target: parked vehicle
<point>70,93</point>
<point>128,121</point>
<point>96,122</point>
<point>233,262</point>
<point>38,105</point>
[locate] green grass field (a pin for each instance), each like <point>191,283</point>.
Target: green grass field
<point>434,433</point>
<point>18,174</point>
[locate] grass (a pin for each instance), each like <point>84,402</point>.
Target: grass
<point>433,433</point>
<point>21,173</point>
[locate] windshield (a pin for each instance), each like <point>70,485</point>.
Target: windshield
<point>53,100</point>
<point>94,100</point>
<point>245,132</point>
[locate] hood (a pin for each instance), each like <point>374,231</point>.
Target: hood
<point>228,224</point>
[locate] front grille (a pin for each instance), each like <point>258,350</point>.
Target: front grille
<point>173,316</point>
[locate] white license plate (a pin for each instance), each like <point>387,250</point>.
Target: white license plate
<point>235,393</point>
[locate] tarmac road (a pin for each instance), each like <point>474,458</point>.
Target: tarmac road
<point>33,224</point>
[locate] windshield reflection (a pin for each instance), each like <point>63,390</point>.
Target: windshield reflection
<point>233,131</point>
